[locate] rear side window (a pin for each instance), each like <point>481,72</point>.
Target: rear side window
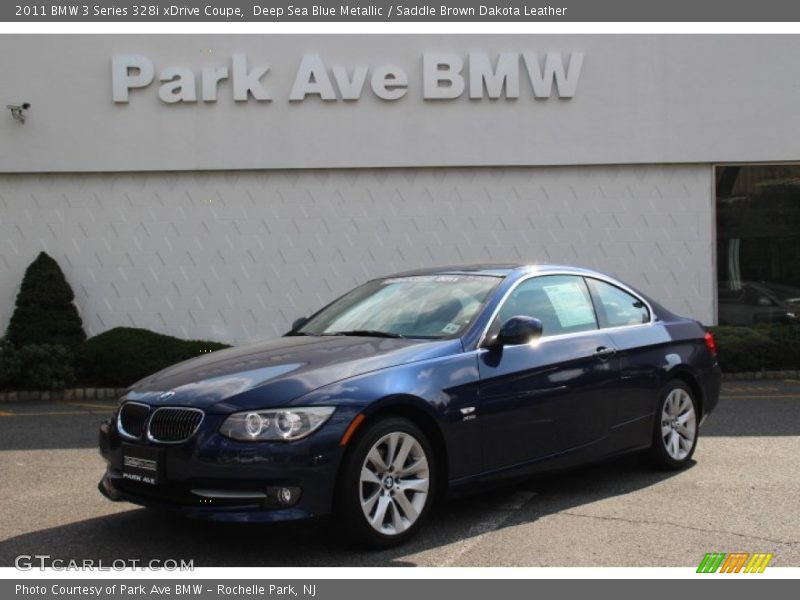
<point>616,307</point>
<point>561,302</point>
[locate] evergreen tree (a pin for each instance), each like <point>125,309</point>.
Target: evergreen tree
<point>44,311</point>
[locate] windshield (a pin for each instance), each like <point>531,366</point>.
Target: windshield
<point>429,306</point>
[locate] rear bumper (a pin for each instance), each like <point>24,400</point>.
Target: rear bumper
<point>712,385</point>
<point>215,478</point>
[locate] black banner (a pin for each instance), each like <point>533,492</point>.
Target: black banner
<point>399,11</point>
<point>732,588</point>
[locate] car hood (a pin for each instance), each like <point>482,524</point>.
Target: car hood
<point>283,369</point>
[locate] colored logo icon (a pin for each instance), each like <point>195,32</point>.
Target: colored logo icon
<point>734,562</point>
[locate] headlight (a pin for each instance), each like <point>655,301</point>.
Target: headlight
<point>280,424</point>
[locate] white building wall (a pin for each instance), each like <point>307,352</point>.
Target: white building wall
<point>640,99</point>
<point>236,256</point>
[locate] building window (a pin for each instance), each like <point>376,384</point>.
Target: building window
<point>758,244</point>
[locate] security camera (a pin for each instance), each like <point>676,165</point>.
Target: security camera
<point>18,110</point>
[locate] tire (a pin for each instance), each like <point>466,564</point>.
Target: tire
<point>676,427</point>
<point>378,509</point>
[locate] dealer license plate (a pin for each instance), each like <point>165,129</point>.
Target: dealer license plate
<point>142,464</point>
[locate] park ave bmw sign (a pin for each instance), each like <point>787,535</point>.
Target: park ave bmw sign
<point>444,76</point>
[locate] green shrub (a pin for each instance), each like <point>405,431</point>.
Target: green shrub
<point>121,356</point>
<point>757,348</point>
<point>44,367</point>
<point>9,363</point>
<point>44,311</point>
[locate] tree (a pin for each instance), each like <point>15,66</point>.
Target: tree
<point>44,312</point>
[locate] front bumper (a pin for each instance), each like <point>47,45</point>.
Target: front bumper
<point>212,477</point>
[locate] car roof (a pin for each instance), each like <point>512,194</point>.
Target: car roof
<point>498,270</point>
<point>521,269</point>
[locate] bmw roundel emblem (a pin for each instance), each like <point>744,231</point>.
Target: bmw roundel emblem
<point>166,395</point>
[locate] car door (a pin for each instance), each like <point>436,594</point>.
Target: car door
<point>548,397</point>
<point>641,350</point>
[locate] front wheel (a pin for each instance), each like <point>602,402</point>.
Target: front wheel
<point>388,483</point>
<point>676,428</point>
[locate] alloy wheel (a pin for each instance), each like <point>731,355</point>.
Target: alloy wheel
<point>678,424</point>
<point>394,483</point>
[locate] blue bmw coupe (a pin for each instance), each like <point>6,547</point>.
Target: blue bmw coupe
<point>411,387</point>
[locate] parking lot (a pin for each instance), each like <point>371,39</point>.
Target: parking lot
<point>740,495</point>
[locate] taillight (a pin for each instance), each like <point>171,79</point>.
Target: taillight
<point>711,343</point>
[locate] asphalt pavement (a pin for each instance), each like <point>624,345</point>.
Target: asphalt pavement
<point>741,494</point>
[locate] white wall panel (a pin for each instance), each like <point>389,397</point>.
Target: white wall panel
<point>236,256</point>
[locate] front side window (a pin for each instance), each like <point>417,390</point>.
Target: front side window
<point>426,306</point>
<point>561,302</point>
<point>616,307</point>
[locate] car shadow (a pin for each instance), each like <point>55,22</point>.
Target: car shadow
<point>144,535</point>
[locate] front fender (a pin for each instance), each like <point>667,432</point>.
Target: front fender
<point>439,388</point>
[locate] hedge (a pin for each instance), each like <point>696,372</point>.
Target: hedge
<point>10,364</point>
<point>758,347</point>
<point>121,356</point>
<point>35,366</point>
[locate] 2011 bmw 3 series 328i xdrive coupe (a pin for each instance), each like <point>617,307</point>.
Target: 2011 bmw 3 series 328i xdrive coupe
<point>410,387</point>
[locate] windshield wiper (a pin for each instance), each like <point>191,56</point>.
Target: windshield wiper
<point>367,333</point>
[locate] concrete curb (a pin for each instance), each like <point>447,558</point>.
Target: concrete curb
<point>758,375</point>
<point>68,395</point>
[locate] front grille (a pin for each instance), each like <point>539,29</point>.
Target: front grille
<point>174,425</point>
<point>132,418</point>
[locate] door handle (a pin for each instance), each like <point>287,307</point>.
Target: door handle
<point>604,353</point>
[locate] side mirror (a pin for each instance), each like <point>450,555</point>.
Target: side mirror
<point>519,330</point>
<point>764,301</point>
<point>298,323</point>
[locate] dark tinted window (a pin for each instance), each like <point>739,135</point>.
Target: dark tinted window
<point>616,307</point>
<point>561,302</point>
<point>758,244</point>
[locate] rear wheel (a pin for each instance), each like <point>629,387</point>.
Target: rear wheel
<point>676,427</point>
<point>388,483</point>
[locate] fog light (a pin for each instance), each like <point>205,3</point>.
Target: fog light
<point>283,496</point>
